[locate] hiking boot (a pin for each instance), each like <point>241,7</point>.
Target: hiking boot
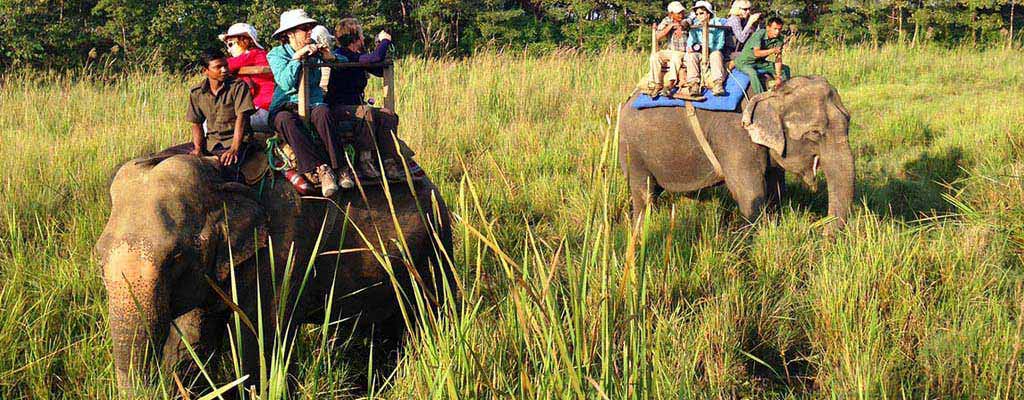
<point>345,179</point>
<point>393,170</point>
<point>694,89</point>
<point>327,183</point>
<point>717,88</point>
<point>367,166</point>
<point>654,90</point>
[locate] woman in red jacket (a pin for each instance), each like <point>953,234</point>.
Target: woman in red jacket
<point>246,51</point>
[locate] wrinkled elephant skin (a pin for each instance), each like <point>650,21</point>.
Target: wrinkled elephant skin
<point>176,228</point>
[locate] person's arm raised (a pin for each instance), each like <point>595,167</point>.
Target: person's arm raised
<point>285,69</point>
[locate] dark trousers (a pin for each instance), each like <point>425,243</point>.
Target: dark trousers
<point>231,172</point>
<point>374,128</point>
<point>308,153</point>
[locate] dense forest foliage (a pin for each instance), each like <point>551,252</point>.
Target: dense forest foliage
<point>67,33</point>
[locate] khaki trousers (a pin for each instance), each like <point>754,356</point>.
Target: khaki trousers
<point>717,70</point>
<point>671,58</point>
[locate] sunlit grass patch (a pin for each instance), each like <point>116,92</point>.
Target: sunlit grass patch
<point>919,297</point>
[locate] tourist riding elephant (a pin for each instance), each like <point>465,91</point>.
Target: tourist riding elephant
<point>178,233</point>
<point>801,127</point>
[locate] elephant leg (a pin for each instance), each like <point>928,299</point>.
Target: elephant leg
<point>389,335</point>
<point>643,189</point>
<point>203,331</point>
<point>257,349</point>
<point>775,179</point>
<point>748,189</point>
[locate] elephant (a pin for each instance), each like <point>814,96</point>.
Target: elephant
<point>180,237</point>
<point>800,127</point>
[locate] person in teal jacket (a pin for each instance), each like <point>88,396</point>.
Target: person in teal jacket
<point>704,11</point>
<point>286,63</point>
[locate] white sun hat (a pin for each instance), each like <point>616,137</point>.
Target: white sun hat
<point>676,7</point>
<point>323,37</point>
<point>705,5</point>
<point>291,19</point>
<point>240,29</point>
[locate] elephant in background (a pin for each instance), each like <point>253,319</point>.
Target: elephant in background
<point>176,229</point>
<point>800,128</point>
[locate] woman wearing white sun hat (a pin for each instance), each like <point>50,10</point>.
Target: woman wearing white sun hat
<point>243,44</point>
<point>286,64</point>
<point>703,11</point>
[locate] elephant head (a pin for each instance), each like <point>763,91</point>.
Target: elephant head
<point>173,222</point>
<point>806,128</point>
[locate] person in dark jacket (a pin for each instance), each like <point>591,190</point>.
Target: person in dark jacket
<point>378,130</point>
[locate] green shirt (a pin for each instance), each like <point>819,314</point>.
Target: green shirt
<point>219,110</point>
<point>760,41</point>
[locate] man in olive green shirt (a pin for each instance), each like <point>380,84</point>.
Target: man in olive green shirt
<point>759,47</point>
<point>224,105</point>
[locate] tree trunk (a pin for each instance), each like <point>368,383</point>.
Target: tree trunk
<point>917,29</point>
<point>899,26</point>
<point>1013,6</point>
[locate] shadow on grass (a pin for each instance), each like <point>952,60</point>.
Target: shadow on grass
<point>913,192</point>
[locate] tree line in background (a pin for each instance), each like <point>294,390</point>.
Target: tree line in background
<point>69,33</point>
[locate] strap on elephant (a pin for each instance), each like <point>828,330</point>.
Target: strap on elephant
<point>691,113</point>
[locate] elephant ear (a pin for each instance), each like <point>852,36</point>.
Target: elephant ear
<point>241,225</point>
<point>763,122</point>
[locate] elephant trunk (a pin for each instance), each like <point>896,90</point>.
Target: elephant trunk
<point>837,164</point>
<point>138,312</point>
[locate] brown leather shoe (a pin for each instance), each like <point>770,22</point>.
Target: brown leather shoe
<point>393,170</point>
<point>717,88</point>
<point>345,178</point>
<point>695,89</point>
<point>367,165</point>
<point>654,90</point>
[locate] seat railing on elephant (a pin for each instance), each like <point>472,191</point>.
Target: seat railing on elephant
<point>387,65</point>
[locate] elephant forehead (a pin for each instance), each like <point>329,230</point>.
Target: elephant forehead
<point>134,261</point>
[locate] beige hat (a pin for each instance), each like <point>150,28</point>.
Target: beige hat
<point>240,29</point>
<point>676,7</point>
<point>292,18</point>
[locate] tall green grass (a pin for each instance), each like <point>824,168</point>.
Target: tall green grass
<point>921,296</point>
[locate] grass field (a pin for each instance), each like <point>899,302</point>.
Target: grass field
<point>922,296</point>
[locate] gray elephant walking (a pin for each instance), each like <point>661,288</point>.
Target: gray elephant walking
<point>176,229</point>
<point>800,128</point>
